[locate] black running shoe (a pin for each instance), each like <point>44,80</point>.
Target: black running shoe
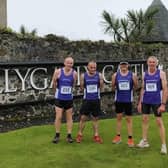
<point>55,140</point>
<point>69,140</point>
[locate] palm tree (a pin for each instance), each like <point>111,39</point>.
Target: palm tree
<point>23,30</point>
<point>133,28</point>
<point>33,32</point>
<point>26,33</point>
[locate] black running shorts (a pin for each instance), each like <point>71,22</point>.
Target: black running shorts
<point>90,107</point>
<point>65,104</point>
<point>124,108</point>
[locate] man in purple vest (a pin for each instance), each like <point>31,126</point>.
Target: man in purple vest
<point>153,96</point>
<point>91,83</point>
<point>123,82</point>
<point>63,82</point>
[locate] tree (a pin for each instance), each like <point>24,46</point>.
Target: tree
<point>25,33</point>
<point>132,28</point>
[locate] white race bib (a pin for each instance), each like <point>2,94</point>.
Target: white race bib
<point>91,88</point>
<point>124,85</point>
<point>151,87</point>
<point>66,90</point>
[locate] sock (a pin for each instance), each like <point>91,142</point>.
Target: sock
<point>57,134</point>
<point>130,137</point>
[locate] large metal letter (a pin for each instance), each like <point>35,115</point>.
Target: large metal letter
<point>32,79</point>
<point>7,82</point>
<point>21,78</point>
<point>103,72</point>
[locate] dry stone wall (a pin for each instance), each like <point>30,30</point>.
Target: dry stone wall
<point>14,49</point>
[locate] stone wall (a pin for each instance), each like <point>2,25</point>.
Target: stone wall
<point>15,113</point>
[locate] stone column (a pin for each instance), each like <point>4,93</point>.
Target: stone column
<point>3,13</point>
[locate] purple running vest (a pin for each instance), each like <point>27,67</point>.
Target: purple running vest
<point>152,88</point>
<point>124,88</point>
<point>91,86</point>
<point>64,86</point>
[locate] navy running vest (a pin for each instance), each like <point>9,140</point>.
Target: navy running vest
<point>152,88</point>
<point>124,88</point>
<point>91,86</point>
<point>64,86</point>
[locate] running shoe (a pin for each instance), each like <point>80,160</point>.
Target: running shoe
<point>163,149</point>
<point>79,138</point>
<point>55,140</point>
<point>143,144</point>
<point>69,139</point>
<point>130,142</point>
<point>117,139</point>
<point>97,139</point>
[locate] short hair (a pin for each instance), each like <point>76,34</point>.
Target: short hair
<point>68,57</point>
<point>153,57</point>
<point>92,61</point>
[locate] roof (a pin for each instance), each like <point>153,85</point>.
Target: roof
<point>160,31</point>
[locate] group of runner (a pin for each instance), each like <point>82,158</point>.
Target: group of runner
<point>153,96</point>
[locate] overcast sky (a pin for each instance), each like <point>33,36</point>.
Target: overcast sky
<point>73,19</point>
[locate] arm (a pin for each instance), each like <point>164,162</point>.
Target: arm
<point>75,78</point>
<point>164,87</point>
<point>101,81</point>
<point>113,82</point>
<point>135,81</point>
<point>141,95</point>
<point>82,82</point>
<point>54,78</point>
<point>164,91</point>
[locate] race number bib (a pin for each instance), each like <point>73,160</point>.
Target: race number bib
<point>91,88</point>
<point>151,87</point>
<point>124,85</point>
<point>66,90</point>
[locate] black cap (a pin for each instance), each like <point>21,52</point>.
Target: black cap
<point>124,63</point>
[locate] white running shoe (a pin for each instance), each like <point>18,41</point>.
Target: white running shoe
<point>163,149</point>
<point>143,144</point>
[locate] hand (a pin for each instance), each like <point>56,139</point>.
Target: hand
<point>139,107</point>
<point>161,108</point>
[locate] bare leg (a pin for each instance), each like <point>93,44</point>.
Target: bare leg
<point>160,124</point>
<point>82,124</point>
<point>129,125</point>
<point>58,118</point>
<point>69,120</point>
<point>119,123</point>
<point>95,126</point>
<point>145,126</point>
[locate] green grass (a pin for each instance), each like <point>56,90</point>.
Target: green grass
<point>32,148</point>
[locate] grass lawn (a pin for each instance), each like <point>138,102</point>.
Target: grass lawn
<point>32,148</point>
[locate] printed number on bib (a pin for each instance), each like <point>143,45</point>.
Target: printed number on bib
<point>66,90</point>
<point>91,88</point>
<point>124,86</point>
<point>151,87</point>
